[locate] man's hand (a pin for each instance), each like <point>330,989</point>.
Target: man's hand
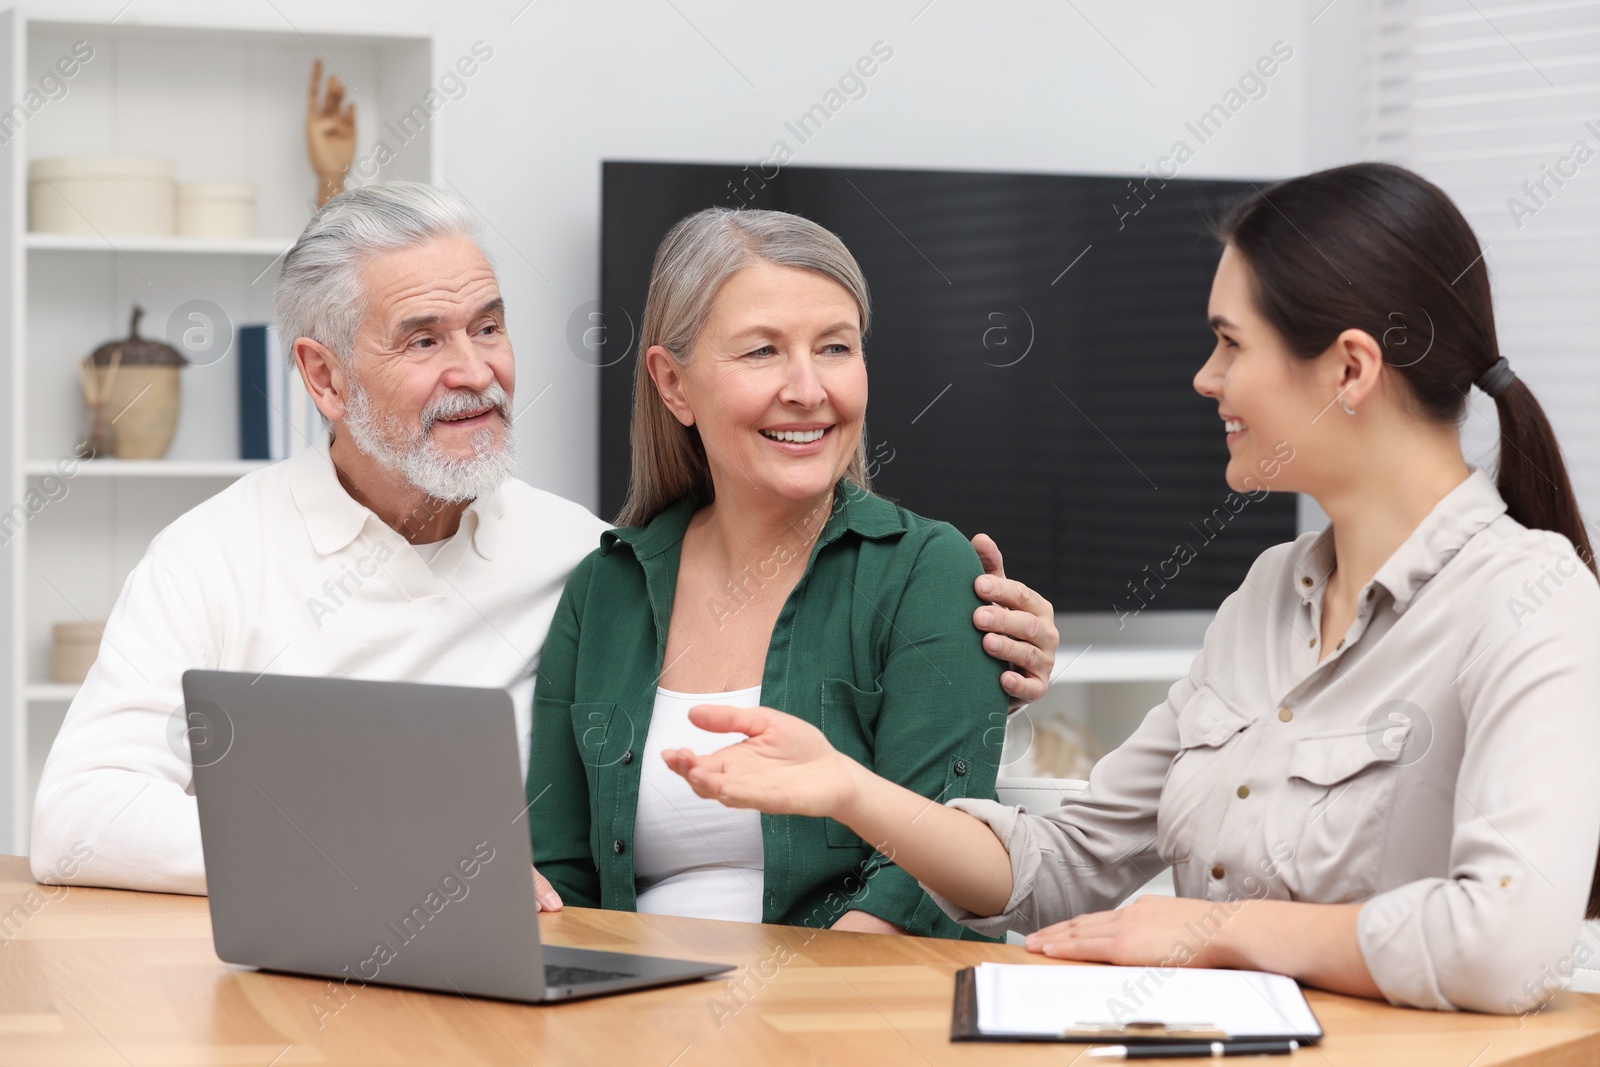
<point>1019,627</point>
<point>549,899</point>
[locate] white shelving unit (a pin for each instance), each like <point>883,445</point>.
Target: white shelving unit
<point>226,103</point>
<point>152,468</point>
<point>1109,673</point>
<point>1089,664</point>
<point>1099,694</point>
<point>242,246</point>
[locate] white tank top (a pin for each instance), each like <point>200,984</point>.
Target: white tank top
<point>693,856</point>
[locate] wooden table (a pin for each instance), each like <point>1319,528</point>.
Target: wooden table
<point>97,976</point>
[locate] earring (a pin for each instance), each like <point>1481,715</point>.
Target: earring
<point>1348,410</point>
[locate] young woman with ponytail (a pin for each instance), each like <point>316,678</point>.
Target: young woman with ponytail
<point>1382,773</point>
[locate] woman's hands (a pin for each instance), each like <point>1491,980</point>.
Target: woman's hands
<point>545,893</point>
<point>784,766</point>
<point>1018,625</point>
<point>1153,930</point>
<point>864,922</point>
<point>1312,943</point>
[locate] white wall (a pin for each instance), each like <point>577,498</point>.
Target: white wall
<point>1031,85</point>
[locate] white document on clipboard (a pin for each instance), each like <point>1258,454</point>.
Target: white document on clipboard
<point>1038,1001</point>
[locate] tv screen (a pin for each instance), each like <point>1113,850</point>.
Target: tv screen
<point>1033,343</point>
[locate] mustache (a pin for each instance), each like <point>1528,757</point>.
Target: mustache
<point>461,401</point>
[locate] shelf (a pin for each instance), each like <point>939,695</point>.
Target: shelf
<point>222,94</point>
<point>51,692</point>
<point>151,468</point>
<point>1077,664</point>
<point>238,246</point>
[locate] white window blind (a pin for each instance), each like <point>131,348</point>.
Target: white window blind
<point>1491,100</point>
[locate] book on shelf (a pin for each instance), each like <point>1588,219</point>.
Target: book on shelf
<point>277,417</point>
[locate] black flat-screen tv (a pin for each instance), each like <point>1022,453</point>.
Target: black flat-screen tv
<point>1034,339</point>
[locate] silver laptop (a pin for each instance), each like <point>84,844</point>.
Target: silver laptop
<point>377,832</point>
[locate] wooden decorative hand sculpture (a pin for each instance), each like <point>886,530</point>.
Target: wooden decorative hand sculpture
<point>330,135</point>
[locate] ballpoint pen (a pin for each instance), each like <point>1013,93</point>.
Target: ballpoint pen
<point>1194,1050</point>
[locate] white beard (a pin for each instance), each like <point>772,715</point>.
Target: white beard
<point>418,459</point>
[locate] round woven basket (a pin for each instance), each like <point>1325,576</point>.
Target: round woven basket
<point>144,403</point>
<point>132,384</point>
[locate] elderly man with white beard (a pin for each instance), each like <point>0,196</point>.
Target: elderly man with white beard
<point>399,548</point>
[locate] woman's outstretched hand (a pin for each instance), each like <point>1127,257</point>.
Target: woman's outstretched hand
<point>783,767</point>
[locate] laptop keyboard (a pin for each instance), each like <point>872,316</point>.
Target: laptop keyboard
<point>555,975</point>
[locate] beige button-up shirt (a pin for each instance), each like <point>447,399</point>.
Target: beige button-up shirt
<point>1441,764</point>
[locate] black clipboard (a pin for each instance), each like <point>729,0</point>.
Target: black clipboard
<point>964,1026</point>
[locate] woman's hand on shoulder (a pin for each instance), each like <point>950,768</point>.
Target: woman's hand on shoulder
<point>784,766</point>
<point>1019,627</point>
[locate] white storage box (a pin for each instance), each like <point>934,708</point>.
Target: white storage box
<point>216,209</point>
<point>130,196</point>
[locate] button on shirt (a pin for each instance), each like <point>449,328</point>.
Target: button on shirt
<point>1441,764</point>
<point>285,571</point>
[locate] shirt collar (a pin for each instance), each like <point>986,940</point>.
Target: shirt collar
<point>1460,514</point>
<point>853,509</point>
<point>485,514</point>
<point>334,519</point>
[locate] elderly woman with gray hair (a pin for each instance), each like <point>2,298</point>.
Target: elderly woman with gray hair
<point>754,566</point>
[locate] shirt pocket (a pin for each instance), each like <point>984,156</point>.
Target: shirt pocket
<point>1208,731</point>
<point>1341,796</point>
<point>602,736</point>
<point>850,723</point>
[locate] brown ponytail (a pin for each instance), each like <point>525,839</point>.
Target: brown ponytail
<point>1375,247</point>
<point>1531,475</point>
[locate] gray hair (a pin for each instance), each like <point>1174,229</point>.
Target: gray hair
<point>319,293</point>
<point>696,257</point>
<point>711,246</point>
